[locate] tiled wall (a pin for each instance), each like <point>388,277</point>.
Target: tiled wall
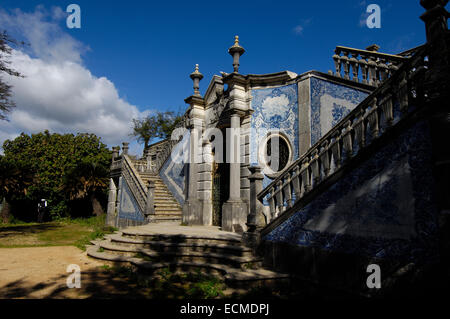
<point>330,103</point>
<point>172,172</point>
<point>128,207</point>
<point>274,108</point>
<point>383,208</point>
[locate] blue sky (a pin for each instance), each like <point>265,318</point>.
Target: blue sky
<point>146,50</point>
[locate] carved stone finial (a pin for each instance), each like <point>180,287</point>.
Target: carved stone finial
<point>373,48</point>
<point>236,51</point>
<point>196,76</point>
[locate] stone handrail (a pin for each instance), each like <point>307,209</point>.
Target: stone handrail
<point>368,67</point>
<point>162,150</point>
<point>162,154</point>
<point>136,185</point>
<point>364,124</point>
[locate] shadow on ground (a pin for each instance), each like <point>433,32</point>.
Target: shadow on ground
<point>12,230</point>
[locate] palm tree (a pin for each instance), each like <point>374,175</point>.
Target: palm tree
<point>87,180</point>
<point>14,180</point>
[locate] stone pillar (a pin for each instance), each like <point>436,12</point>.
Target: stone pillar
<point>115,152</point>
<point>192,210</point>
<point>111,210</point>
<point>255,219</point>
<point>119,194</point>
<point>205,184</point>
<point>150,208</point>
<point>125,148</point>
<point>234,211</point>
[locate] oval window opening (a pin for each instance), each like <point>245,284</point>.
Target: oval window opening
<point>283,153</point>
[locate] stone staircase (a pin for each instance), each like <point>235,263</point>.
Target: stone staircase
<point>152,247</point>
<point>166,206</point>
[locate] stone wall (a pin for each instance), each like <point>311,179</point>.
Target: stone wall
<point>381,211</point>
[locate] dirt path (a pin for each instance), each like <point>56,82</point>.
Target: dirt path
<point>40,272</point>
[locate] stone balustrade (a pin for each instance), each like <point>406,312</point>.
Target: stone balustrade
<point>374,116</point>
<point>364,66</point>
<point>137,187</point>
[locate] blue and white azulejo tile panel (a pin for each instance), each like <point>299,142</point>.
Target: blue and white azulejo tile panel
<point>275,109</point>
<point>128,207</point>
<point>330,103</point>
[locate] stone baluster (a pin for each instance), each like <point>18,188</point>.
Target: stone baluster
<point>386,106</point>
<point>355,66</point>
<point>372,116</point>
<point>347,139</point>
<point>364,69</point>
<point>359,129</point>
<point>296,182</point>
<point>402,93</point>
<point>346,65</point>
<point>337,63</point>
<point>150,207</point>
<point>336,149</point>
<point>372,65</point>
<point>315,167</point>
<point>383,70</point>
<point>287,190</point>
<point>392,68</point>
<point>325,158</point>
<point>272,204</point>
<point>304,172</point>
<point>279,196</point>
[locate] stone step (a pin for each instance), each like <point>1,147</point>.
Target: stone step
<point>163,246</point>
<point>234,277</point>
<point>167,215</point>
<point>243,262</point>
<point>166,205</point>
<point>179,238</point>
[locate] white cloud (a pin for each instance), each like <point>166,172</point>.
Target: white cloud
<point>298,29</point>
<point>58,93</point>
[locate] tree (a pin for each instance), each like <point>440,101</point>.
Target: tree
<point>14,179</point>
<point>6,104</point>
<point>51,157</point>
<point>87,179</point>
<point>159,125</point>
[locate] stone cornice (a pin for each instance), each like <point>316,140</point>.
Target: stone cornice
<point>195,100</point>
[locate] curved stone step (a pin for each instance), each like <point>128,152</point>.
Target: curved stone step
<point>177,256</point>
<point>177,238</point>
<point>233,277</point>
<point>163,246</point>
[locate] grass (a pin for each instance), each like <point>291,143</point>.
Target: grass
<point>166,284</point>
<point>74,232</point>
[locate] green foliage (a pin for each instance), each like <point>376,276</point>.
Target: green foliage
<point>54,161</point>
<point>159,125</point>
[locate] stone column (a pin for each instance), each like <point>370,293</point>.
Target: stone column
<point>234,211</point>
<point>111,210</point>
<point>192,210</point>
<point>150,208</point>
